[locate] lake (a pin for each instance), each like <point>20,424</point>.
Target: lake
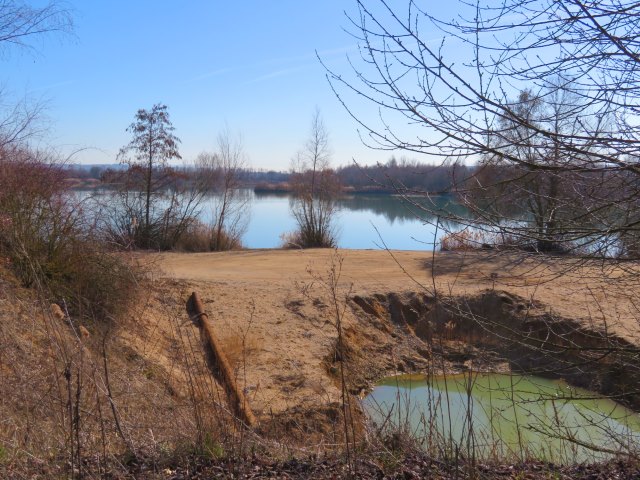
<point>373,221</point>
<point>362,222</point>
<point>505,416</point>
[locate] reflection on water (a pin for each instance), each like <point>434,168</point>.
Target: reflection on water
<point>506,416</point>
<point>369,221</point>
<point>394,208</point>
<point>363,221</point>
<point>391,207</point>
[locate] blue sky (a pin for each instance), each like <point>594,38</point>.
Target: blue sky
<point>248,64</point>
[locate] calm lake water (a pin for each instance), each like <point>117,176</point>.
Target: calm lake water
<point>362,222</point>
<point>510,416</point>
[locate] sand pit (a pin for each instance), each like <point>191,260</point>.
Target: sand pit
<point>275,313</point>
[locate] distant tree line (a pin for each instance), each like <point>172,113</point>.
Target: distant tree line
<point>401,176</point>
<point>391,177</point>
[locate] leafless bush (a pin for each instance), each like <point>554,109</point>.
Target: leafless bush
<point>315,188</point>
<point>230,212</point>
<point>469,239</point>
<point>337,292</point>
<point>175,209</point>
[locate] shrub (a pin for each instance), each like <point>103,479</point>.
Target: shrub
<point>309,238</point>
<point>50,244</point>
<point>196,238</point>
<point>93,283</point>
<point>175,208</point>
<point>225,240</point>
<point>314,208</point>
<point>464,240</point>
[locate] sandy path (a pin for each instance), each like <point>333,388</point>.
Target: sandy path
<point>366,267</point>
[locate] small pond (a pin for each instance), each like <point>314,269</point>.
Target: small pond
<point>505,416</point>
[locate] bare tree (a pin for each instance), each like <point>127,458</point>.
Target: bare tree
<point>231,210</point>
<point>543,96</point>
<point>156,203</point>
<point>552,203</point>
<point>19,121</point>
<point>20,22</point>
<point>451,98</point>
<point>153,145</point>
<point>315,186</point>
<point>20,25</point>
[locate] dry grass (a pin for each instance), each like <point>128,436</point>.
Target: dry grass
<point>240,348</point>
<point>196,238</point>
<point>199,237</point>
<point>72,397</point>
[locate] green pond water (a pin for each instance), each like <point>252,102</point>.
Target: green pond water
<point>505,416</point>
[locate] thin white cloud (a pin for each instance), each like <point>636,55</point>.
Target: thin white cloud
<point>279,73</point>
<point>330,52</point>
<point>215,73</point>
<point>327,53</point>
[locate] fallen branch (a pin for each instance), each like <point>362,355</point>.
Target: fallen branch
<point>237,400</point>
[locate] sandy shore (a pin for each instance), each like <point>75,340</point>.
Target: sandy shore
<point>275,311</point>
<point>568,287</point>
